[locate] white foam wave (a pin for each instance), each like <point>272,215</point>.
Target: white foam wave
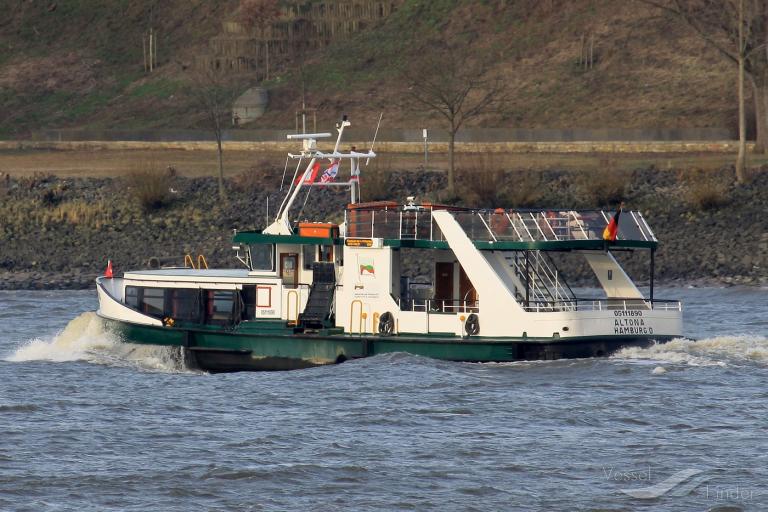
<point>717,351</point>
<point>85,339</point>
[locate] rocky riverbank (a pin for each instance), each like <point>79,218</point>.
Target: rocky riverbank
<point>59,233</point>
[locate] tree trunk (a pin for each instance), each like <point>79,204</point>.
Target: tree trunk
<point>451,161</point>
<point>741,159</point>
<point>760,94</point>
<point>222,193</point>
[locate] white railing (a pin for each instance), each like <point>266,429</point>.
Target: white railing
<point>439,305</point>
<point>497,225</point>
<point>605,305</point>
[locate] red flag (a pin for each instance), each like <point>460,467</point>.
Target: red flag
<point>312,175</point>
<point>108,273</point>
<point>611,231</point>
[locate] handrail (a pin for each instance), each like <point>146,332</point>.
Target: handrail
<point>440,305</point>
<point>351,316</point>
<point>189,262</point>
<point>295,321</point>
<point>613,304</point>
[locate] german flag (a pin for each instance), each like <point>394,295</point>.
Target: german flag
<point>611,231</point>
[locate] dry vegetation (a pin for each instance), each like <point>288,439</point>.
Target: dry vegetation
<point>262,175</point>
<point>526,189</point>
<point>150,185</point>
<point>491,184</point>
<point>703,189</point>
<point>376,180</point>
<point>604,186</point>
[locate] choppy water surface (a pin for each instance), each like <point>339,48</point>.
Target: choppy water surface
<point>87,423</point>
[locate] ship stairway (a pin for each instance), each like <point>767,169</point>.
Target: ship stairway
<point>319,308</point>
<point>547,289</point>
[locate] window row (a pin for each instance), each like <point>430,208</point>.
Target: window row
<point>216,307</point>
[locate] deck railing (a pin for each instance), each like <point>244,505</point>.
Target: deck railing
<point>497,225</point>
<point>440,305</point>
<point>605,305</point>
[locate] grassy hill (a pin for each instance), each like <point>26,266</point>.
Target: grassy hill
<point>78,63</point>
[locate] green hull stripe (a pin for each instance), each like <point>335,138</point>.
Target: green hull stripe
<point>303,350</point>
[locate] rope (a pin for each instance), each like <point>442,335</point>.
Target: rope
<point>309,189</point>
<point>282,182</point>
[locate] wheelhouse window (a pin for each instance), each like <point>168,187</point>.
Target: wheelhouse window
<point>219,306</point>
<point>185,304</point>
<point>263,257</point>
<point>153,302</point>
<point>132,296</point>
<point>308,256</point>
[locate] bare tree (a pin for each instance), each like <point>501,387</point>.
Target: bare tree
<point>738,30</point>
<point>215,97</point>
<point>456,84</point>
<point>260,14</point>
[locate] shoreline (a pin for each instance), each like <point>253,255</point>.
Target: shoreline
<point>58,233</point>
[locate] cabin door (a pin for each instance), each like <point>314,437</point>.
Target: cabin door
<point>289,271</point>
<point>443,284</point>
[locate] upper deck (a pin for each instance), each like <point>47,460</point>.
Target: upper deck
<point>499,229</point>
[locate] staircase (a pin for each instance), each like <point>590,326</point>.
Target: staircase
<point>317,313</point>
<point>547,290</point>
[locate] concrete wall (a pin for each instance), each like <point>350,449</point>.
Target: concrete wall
<point>470,135</point>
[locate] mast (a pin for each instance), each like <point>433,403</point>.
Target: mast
<point>282,224</point>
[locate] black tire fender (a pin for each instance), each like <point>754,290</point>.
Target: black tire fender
<point>472,325</point>
<point>386,324</point>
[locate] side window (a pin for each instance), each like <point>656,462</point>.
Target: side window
<point>263,257</point>
<point>308,256</point>
<point>153,302</point>
<point>325,253</point>
<point>219,306</point>
<point>185,304</point>
<point>132,296</point>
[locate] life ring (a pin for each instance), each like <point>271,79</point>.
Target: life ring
<point>472,325</point>
<point>386,324</point>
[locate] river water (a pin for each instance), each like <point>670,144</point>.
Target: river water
<point>88,423</point>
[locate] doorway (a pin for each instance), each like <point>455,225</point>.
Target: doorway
<point>289,263</point>
<point>443,283</point>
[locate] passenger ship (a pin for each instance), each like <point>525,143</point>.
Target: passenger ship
<point>317,293</point>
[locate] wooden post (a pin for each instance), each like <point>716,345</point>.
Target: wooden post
<point>144,50</point>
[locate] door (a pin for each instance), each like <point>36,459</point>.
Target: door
<point>289,273</point>
<point>443,285</point>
